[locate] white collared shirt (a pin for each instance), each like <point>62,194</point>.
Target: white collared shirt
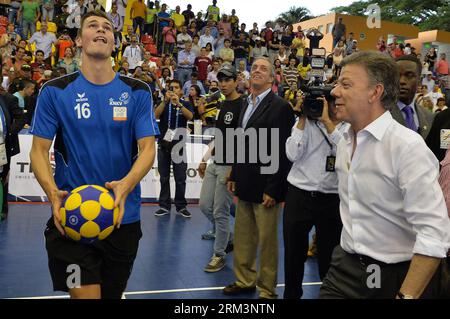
<point>251,108</point>
<point>308,150</point>
<point>391,204</point>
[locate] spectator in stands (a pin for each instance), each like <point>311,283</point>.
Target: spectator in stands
<point>200,24</point>
<point>121,7</point>
<point>68,62</point>
<point>24,88</point>
<point>209,51</point>
<point>194,97</point>
<point>202,63</point>
<point>242,68</point>
<point>164,19</point>
<point>138,14</point>
<point>182,38</point>
<point>291,75</point>
<point>440,105</point>
<point>212,75</point>
<point>192,31</point>
<point>241,49</point>
<point>431,58</point>
<point>219,42</point>
<point>299,43</point>
<point>133,53</point>
<point>44,41</point>
<point>61,18</point>
<point>94,5</point>
<point>274,46</point>
<point>169,34</point>
<point>339,30</point>
<point>225,25</point>
<point>258,51</point>
<point>38,63</point>
<point>117,21</point>
<point>429,81</point>
<point>186,59</point>
<point>435,94</point>
<point>283,57</point>
<point>195,45</point>
<point>74,18</point>
<point>189,16</point>
<point>192,81</point>
<point>234,20</point>
<point>442,70</point>
<point>213,11</point>
<point>227,53</point>
<point>149,26</point>
<point>288,37</point>
<point>12,12</point>
<point>206,38</point>
<point>178,18</point>
<point>29,14</point>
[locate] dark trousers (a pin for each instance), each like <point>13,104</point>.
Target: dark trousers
<point>138,22</point>
<point>302,211</point>
<point>5,185</point>
<point>179,173</point>
<point>350,274</point>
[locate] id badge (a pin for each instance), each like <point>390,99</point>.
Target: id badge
<point>331,162</point>
<point>3,159</point>
<point>445,139</point>
<point>170,134</point>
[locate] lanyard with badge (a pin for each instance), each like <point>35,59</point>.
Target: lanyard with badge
<point>170,134</point>
<point>330,165</point>
<point>3,158</point>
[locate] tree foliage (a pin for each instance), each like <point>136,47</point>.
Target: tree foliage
<point>295,15</point>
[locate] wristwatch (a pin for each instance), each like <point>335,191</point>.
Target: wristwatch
<point>403,296</point>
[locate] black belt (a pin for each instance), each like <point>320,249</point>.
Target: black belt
<point>315,193</point>
<point>366,261</point>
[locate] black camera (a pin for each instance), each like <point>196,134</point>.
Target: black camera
<point>312,107</point>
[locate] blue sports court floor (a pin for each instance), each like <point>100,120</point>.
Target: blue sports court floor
<point>169,264</point>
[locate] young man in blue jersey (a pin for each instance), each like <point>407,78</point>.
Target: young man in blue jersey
<point>104,127</point>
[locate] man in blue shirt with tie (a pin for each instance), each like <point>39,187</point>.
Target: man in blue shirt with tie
<point>407,112</point>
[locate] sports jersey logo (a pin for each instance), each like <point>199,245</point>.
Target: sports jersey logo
<point>228,118</point>
<point>124,99</point>
<point>81,97</point>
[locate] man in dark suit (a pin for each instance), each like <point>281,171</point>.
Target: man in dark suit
<point>259,184</point>
<point>14,120</point>
<point>408,113</point>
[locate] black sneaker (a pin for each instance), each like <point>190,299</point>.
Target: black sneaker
<point>161,212</point>
<point>184,212</point>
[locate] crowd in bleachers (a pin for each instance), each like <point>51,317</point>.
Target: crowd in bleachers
<point>158,44</point>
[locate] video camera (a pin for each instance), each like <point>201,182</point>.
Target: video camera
<point>315,88</point>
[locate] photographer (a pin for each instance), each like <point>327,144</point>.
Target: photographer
<point>312,198</point>
<point>173,113</point>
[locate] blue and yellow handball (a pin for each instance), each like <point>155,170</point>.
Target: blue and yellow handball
<point>88,214</point>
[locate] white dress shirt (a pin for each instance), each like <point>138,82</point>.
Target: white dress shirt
<point>133,55</point>
<point>391,204</point>
<point>308,150</point>
<point>251,108</point>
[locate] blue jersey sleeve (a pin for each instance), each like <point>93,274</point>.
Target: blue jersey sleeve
<point>145,122</point>
<point>45,120</point>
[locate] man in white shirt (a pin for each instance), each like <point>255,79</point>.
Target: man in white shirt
<point>182,38</point>
<point>206,38</point>
<point>312,198</point>
<point>44,41</point>
<point>396,232</point>
<point>133,53</point>
<point>428,81</point>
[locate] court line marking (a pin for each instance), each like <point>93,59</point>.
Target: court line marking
<point>152,292</point>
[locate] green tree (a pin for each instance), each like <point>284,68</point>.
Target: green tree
<point>295,15</point>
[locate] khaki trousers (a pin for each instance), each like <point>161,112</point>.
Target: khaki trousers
<point>256,233</point>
